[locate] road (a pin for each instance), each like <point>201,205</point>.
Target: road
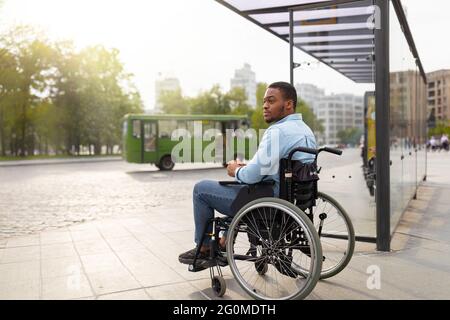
<point>40,197</point>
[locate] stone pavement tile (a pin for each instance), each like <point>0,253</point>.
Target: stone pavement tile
<point>86,298</point>
<point>352,283</point>
<point>130,222</point>
<point>110,282</point>
<point>112,232</point>
<point>363,247</point>
<point>233,292</point>
<point>168,226</point>
<point>59,267</point>
<point>19,254</point>
<point>126,295</point>
<point>71,287</point>
<point>53,237</point>
<point>147,268</point>
<point>23,241</point>
<point>83,226</point>
<point>168,251</point>
<point>86,234</point>
<point>90,247</point>
<point>104,262</point>
<point>182,238</point>
<point>178,291</point>
<point>19,271</point>
<point>20,290</point>
<point>125,243</point>
<point>58,251</point>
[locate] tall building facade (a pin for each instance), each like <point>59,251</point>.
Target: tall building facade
<point>311,94</point>
<point>339,112</point>
<point>164,84</point>
<point>439,94</point>
<point>408,104</point>
<point>245,78</point>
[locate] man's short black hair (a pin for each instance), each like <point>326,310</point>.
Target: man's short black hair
<point>288,90</point>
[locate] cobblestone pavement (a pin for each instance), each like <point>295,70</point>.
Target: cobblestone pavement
<point>42,197</point>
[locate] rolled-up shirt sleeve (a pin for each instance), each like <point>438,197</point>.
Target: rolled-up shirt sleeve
<point>266,160</point>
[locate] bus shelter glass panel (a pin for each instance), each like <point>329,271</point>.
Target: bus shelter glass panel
<point>406,121</point>
<point>421,125</point>
<point>346,119</point>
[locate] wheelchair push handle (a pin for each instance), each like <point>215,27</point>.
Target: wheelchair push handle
<point>332,150</point>
<point>314,151</point>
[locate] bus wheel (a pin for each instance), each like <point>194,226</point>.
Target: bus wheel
<point>166,163</point>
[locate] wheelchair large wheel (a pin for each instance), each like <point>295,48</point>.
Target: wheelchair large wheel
<point>276,252</point>
<point>337,235</point>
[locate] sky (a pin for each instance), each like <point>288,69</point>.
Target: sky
<point>201,42</point>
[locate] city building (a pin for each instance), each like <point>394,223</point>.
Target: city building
<point>311,94</point>
<point>339,112</point>
<point>245,78</point>
<point>439,94</point>
<point>164,84</point>
<point>407,89</point>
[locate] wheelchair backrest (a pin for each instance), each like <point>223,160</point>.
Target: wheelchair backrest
<point>299,185</point>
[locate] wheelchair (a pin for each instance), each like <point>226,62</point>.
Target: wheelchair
<point>279,248</point>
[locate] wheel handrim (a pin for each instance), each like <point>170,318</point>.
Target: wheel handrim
<point>274,258</point>
<point>336,252</point>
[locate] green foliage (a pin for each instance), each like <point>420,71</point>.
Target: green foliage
<point>54,98</point>
<point>257,118</point>
<point>442,127</point>
<point>309,117</point>
<point>214,101</point>
<point>350,136</point>
<point>173,102</point>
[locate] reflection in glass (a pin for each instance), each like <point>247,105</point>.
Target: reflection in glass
<point>407,134</point>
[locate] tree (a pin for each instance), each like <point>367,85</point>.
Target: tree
<point>350,136</point>
<point>237,99</point>
<point>173,102</point>
<point>32,56</point>
<point>55,97</point>
<point>257,118</point>
<point>309,117</point>
<point>213,101</point>
<point>442,127</point>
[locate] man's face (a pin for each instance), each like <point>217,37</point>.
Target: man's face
<point>275,106</point>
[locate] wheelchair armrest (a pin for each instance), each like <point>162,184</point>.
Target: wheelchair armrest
<point>235,183</point>
<point>229,183</point>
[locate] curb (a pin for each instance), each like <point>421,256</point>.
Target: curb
<point>19,163</point>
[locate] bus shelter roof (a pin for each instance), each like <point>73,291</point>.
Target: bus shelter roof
<point>338,33</point>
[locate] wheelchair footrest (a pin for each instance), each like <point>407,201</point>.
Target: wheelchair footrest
<point>205,264</point>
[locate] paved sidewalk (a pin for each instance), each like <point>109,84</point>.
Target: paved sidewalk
<point>137,257</point>
<point>33,162</point>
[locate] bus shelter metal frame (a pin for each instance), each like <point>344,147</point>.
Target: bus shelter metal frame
<point>381,79</point>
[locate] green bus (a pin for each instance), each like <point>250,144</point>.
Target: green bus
<point>148,138</point>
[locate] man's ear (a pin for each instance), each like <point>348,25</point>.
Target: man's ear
<point>291,105</point>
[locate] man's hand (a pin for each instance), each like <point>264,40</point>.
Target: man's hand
<point>232,166</point>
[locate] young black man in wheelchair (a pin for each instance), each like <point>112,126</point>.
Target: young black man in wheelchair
<point>287,132</point>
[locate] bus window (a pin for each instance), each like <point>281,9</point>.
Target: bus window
<point>181,124</point>
<point>150,136</point>
<point>191,129</point>
<point>166,127</point>
<point>125,128</point>
<point>137,129</point>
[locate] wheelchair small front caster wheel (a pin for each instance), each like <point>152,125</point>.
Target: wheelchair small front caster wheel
<point>218,285</point>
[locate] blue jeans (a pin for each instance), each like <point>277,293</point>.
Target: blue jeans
<point>208,196</point>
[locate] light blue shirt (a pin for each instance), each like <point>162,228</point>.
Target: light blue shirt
<point>278,140</point>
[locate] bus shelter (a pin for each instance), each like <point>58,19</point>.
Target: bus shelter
<point>367,41</point>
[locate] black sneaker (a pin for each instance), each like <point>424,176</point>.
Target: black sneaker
<point>189,256</point>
